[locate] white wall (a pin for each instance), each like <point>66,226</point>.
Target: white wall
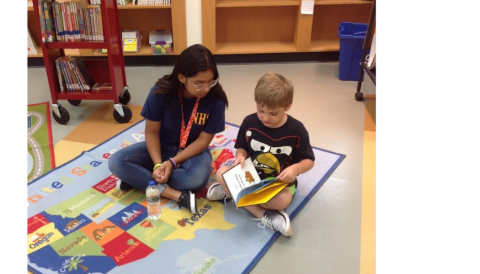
<point>193,10</point>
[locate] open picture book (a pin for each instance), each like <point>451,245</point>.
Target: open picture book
<point>246,187</point>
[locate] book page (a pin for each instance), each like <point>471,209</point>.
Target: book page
<point>237,178</point>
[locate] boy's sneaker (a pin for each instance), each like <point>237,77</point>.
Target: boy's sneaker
<point>216,192</point>
<point>277,220</point>
<point>121,185</point>
<point>187,200</point>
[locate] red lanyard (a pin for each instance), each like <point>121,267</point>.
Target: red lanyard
<point>186,131</point>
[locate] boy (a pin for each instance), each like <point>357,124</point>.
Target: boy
<point>279,146</point>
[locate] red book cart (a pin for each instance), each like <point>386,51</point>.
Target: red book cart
<point>105,70</point>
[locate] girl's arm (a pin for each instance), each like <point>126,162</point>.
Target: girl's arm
<point>195,148</point>
<point>152,140</point>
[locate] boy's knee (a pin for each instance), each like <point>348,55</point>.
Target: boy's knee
<point>223,169</point>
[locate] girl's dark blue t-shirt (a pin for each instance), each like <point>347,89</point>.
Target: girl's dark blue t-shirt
<point>210,116</point>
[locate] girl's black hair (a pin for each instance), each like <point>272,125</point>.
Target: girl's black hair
<point>191,61</point>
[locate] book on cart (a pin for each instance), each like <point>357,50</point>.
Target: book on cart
<point>246,187</point>
<point>70,21</point>
<point>102,87</point>
<point>61,79</point>
<point>73,75</point>
<point>86,77</point>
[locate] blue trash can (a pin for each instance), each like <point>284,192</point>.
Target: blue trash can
<point>352,36</point>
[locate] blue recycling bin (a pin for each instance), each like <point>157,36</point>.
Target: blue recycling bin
<point>352,37</point>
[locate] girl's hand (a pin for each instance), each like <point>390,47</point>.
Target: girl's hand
<point>158,174</point>
<point>162,173</point>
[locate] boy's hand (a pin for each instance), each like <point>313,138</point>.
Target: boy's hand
<point>241,160</point>
<point>288,175</point>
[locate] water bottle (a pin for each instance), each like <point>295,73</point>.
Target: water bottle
<point>153,201</point>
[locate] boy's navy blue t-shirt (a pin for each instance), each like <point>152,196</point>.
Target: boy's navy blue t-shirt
<point>210,116</point>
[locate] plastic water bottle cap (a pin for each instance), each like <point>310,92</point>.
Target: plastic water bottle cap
<point>152,183</point>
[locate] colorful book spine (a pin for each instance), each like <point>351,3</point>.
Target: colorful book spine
<point>61,81</point>
<point>42,22</point>
<point>81,82</point>
<point>81,25</point>
<point>71,17</point>
<point>66,75</point>
<point>65,21</point>
<point>100,26</point>
<point>52,34</point>
<point>72,75</point>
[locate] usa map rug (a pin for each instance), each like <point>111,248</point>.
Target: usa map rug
<point>40,157</point>
<point>78,222</point>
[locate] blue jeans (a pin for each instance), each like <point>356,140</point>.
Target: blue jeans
<point>133,165</point>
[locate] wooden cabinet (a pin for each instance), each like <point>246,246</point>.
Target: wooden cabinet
<point>136,17</point>
<point>277,26</point>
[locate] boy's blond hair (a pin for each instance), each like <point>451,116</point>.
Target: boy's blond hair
<point>274,90</point>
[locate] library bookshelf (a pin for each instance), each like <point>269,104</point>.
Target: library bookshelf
<point>134,17</point>
<point>103,70</point>
<point>277,26</point>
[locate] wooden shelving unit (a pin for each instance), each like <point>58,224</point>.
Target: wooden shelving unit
<point>277,26</point>
<point>136,17</point>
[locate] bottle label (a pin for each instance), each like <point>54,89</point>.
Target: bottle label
<point>153,195</point>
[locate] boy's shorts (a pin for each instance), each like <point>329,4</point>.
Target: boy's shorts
<point>292,187</point>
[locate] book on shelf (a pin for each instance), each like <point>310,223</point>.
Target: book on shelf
<point>246,187</point>
<point>102,87</point>
<point>70,21</point>
<point>32,46</point>
<point>119,2</point>
<point>49,22</point>
<point>151,2</point>
<point>73,74</point>
<point>65,75</point>
<point>123,2</point>
<point>87,78</point>
<point>61,78</point>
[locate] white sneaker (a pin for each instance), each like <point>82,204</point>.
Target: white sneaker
<point>216,192</point>
<point>277,220</point>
